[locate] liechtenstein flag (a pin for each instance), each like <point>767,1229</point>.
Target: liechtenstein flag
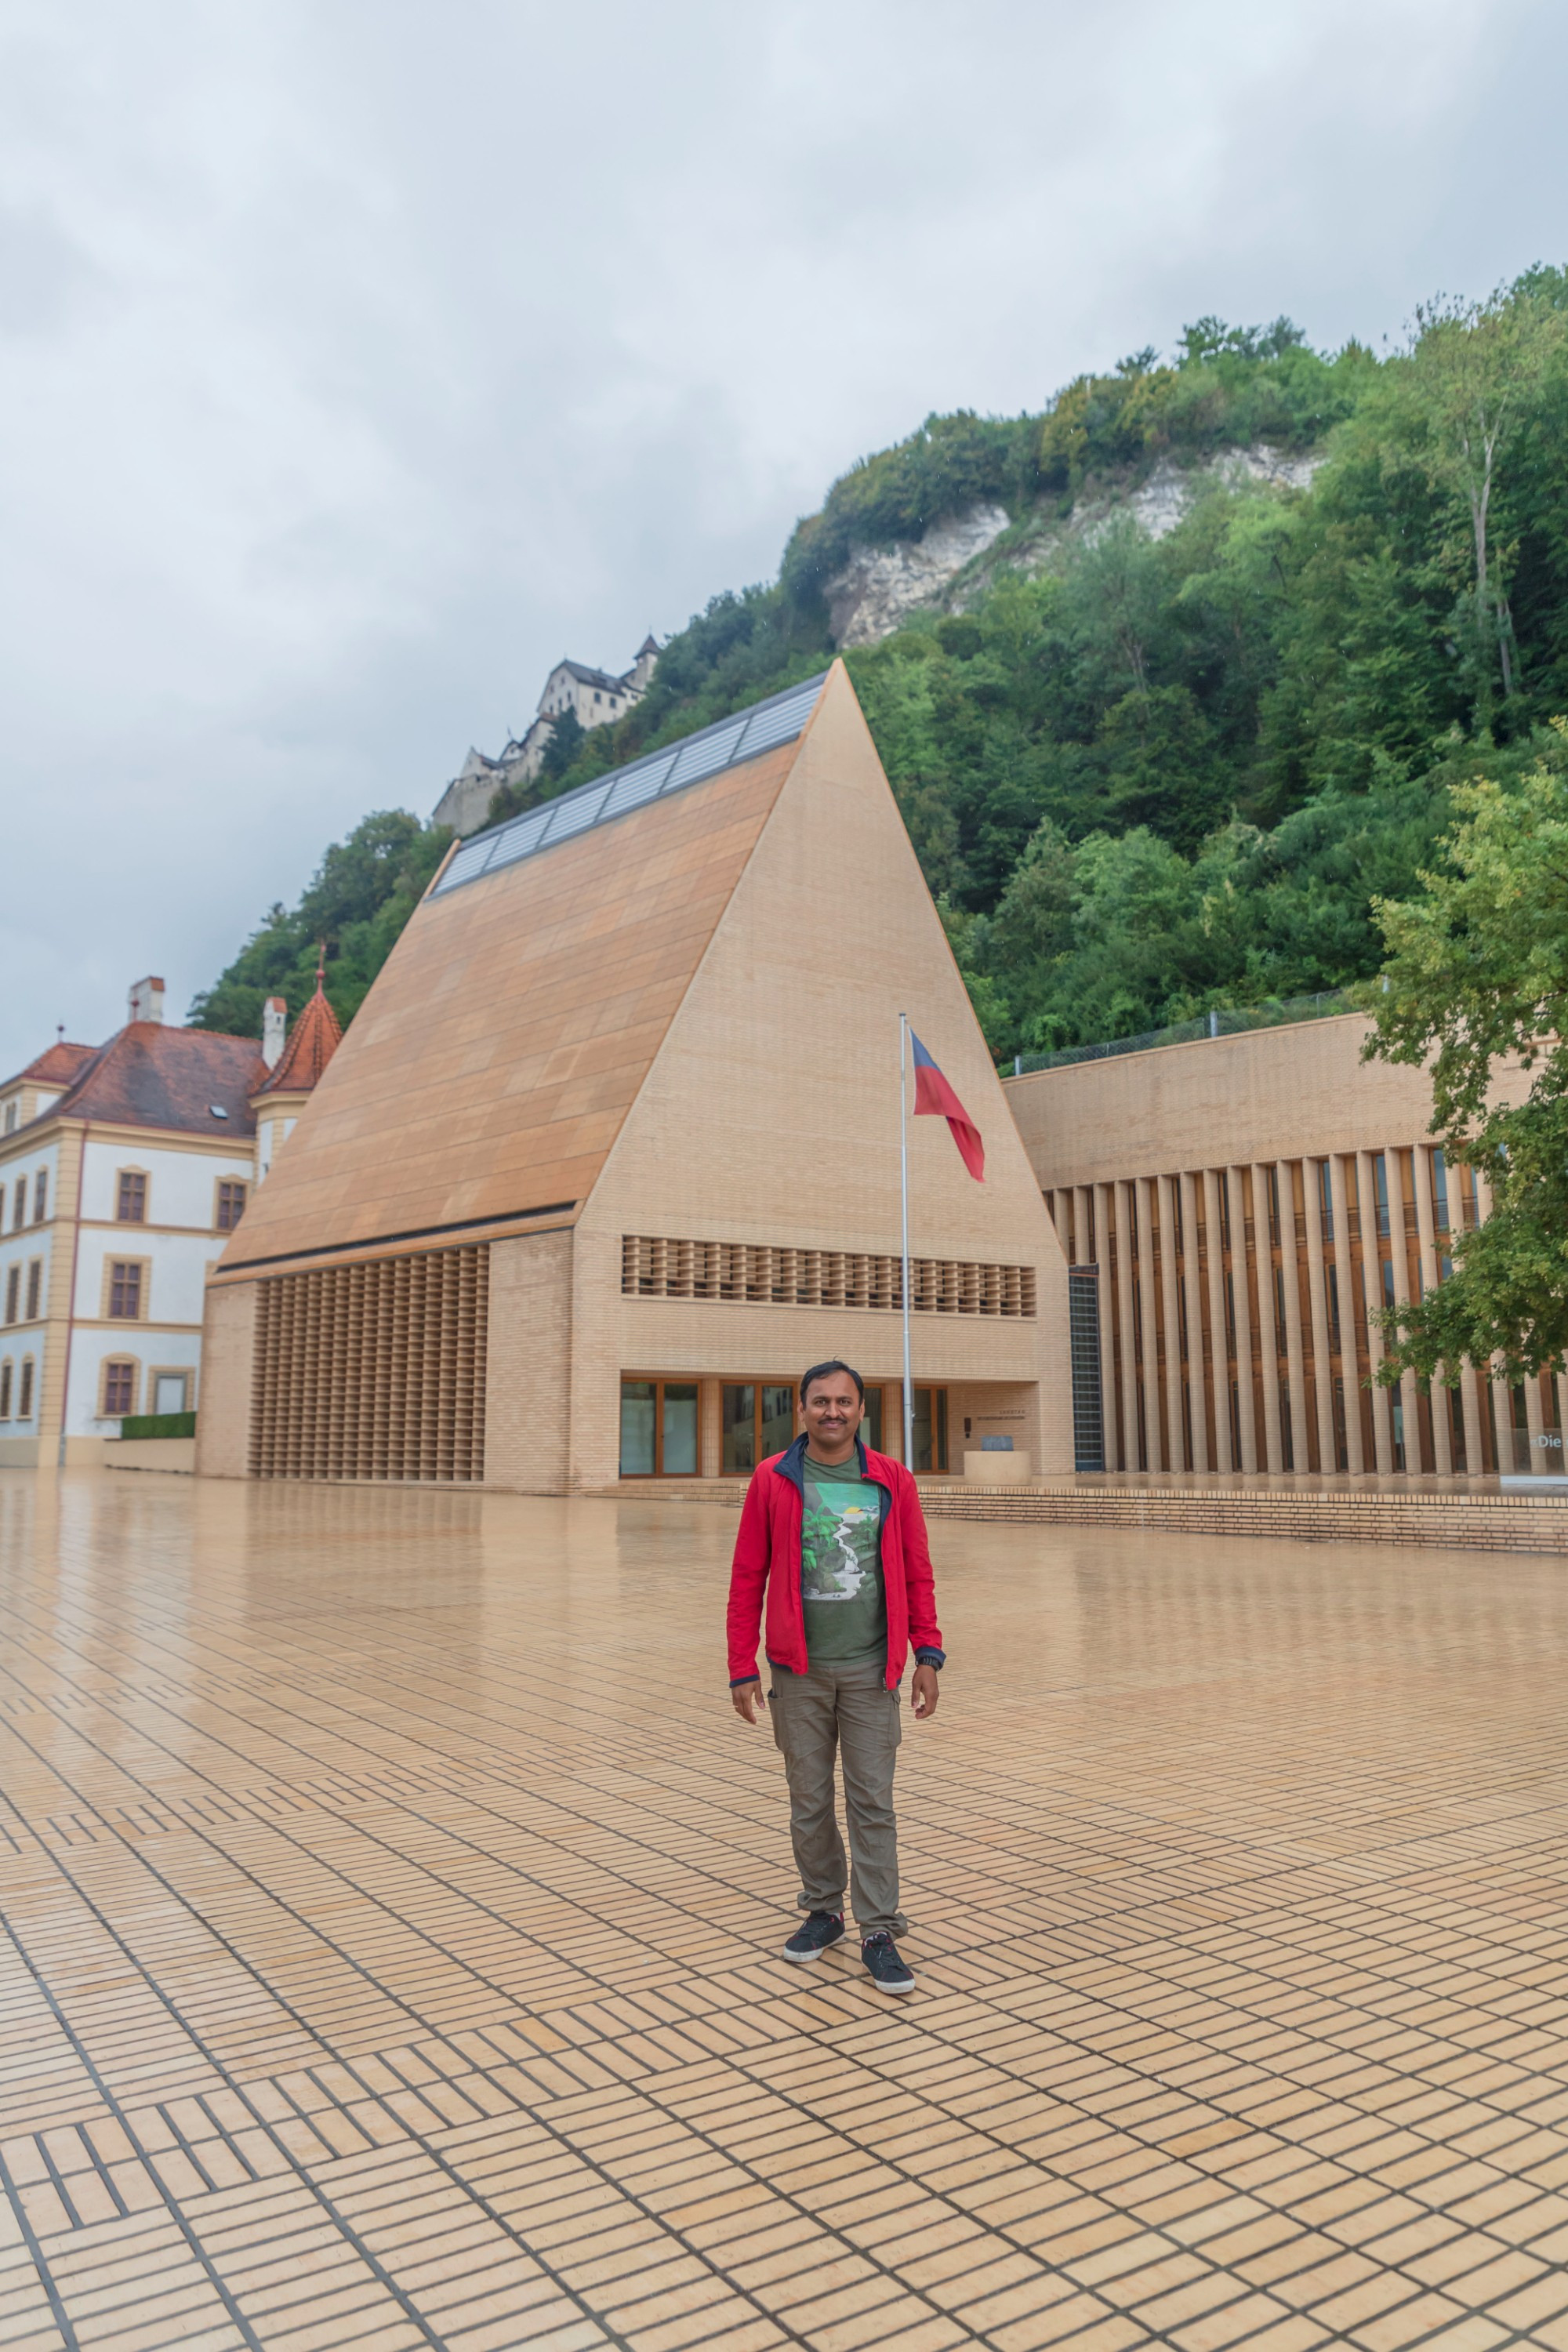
<point>934,1096</point>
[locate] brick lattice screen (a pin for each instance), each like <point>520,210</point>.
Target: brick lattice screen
<point>374,1371</point>
<point>651,1268</point>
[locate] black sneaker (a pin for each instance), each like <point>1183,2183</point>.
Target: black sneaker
<point>808,1942</point>
<point>887,1971</point>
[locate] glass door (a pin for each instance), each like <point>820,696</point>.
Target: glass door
<point>659,1429</point>
<point>931,1430</point>
<point>756,1421</point>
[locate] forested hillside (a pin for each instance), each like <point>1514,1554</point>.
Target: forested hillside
<point>1146,775</point>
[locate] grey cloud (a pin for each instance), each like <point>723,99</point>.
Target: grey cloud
<point>375,355</point>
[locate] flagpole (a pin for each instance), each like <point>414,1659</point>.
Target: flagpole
<point>904,1194</point>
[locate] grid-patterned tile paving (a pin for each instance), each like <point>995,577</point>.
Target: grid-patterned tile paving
<point>391,1904</point>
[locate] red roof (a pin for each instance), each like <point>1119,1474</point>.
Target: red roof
<point>148,1075</point>
<point>57,1066</point>
<point>313,1040</point>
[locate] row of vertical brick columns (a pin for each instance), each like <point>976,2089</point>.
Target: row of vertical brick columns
<point>1295,1355</point>
<point>1176,1448</point>
<point>1214,1230</point>
<point>1398,1246</point>
<point>1426,1235</point>
<point>1114,1458</point>
<point>1268,1337</point>
<point>1192,1290</point>
<point>1344,1267</point>
<point>1318,1301</point>
<point>1245,1415</point>
<point>1372,1288</point>
<point>1502,1395</point>
<point>1124,1255</point>
<point>1148,1310</point>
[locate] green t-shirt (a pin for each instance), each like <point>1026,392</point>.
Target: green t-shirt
<point>841,1564</point>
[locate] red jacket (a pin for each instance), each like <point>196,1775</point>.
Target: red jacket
<point>770,1539</point>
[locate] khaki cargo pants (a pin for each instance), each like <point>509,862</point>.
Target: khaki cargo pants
<point>844,1710</point>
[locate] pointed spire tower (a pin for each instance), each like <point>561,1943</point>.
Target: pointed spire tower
<point>287,1089</point>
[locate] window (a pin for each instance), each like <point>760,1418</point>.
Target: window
<point>1439,1191</point>
<point>125,1290</point>
<point>170,1391</point>
<point>1379,1174</point>
<point>24,1402</point>
<point>12,1107</point>
<point>35,1286</point>
<point>19,1205</point>
<point>40,1195</point>
<point>131,1206</point>
<point>13,1294</point>
<point>5,1390</point>
<point>756,1419</point>
<point>230,1207</point>
<point>659,1429</point>
<point>119,1388</point>
<point>1325,1200</point>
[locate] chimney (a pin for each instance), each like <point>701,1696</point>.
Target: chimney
<point>274,1029</point>
<point>146,1000</point>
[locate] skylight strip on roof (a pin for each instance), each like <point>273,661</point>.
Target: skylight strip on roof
<point>635,785</point>
<point>468,860</point>
<point>575,815</point>
<point>709,752</point>
<point>705,755</point>
<point>773,724</point>
<point>519,839</point>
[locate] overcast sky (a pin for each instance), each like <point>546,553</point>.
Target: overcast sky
<point>358,358</point>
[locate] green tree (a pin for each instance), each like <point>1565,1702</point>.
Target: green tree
<point>1477,985</point>
<point>1476,368</point>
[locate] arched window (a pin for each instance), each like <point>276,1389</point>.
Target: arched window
<point>24,1402</point>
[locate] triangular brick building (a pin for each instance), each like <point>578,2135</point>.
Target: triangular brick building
<point>610,1152</point>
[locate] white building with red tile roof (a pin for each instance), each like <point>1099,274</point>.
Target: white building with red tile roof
<point>123,1168</point>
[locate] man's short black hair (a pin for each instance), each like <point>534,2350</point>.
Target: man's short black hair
<point>820,1372</point>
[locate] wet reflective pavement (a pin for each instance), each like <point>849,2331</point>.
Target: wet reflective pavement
<point>392,1905</point>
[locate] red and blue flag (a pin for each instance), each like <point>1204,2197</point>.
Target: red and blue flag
<point>935,1096</point>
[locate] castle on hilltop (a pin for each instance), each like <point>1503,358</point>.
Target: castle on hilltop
<point>597,700</point>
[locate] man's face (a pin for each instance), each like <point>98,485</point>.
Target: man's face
<point>832,1409</point>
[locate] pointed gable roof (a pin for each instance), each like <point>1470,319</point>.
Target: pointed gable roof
<point>313,1040</point>
<point>489,1069</point>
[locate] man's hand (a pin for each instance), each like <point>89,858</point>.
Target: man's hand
<point>748,1702</point>
<point>924,1696</point>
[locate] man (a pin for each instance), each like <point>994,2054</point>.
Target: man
<point>837,1536</point>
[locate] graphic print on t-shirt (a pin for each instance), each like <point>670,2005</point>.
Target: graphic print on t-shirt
<point>841,1563</point>
<point>839,1542</point>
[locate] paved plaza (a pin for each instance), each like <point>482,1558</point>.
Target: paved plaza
<point>392,1903</point>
